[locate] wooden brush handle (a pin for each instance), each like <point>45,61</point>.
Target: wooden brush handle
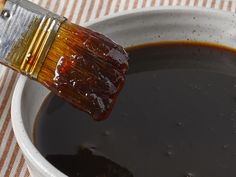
<point>2,2</point>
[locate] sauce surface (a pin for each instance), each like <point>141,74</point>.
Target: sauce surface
<point>176,117</point>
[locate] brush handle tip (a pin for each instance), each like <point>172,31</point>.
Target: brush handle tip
<point>2,2</point>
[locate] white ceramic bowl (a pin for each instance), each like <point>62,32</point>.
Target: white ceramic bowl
<point>127,29</point>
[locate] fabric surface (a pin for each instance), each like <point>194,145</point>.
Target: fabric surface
<point>80,12</point>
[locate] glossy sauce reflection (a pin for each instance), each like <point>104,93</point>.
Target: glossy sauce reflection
<point>176,117</point>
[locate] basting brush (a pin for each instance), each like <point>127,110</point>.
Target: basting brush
<point>84,67</point>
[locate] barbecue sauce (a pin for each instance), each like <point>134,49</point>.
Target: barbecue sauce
<point>176,117</point>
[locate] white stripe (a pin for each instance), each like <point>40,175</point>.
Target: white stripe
<point>182,3</point>
<point>24,166</point>
<point>158,3</point>
<point>5,138</point>
<point>208,4</point>
<point>233,6</point>
<point>95,9</point>
<point>225,5</point>
<point>16,164</point>
<point>104,7</point>
<point>148,4</point>
<point>200,3</point>
<point>217,4</point>
<point>166,3</point>
<point>140,3</point>
<point>112,7</point>
<point>9,155</point>
<point>44,3</point>
<point>36,1</point>
<point>122,4</point>
<point>115,7</point>
<point>61,5</point>
<point>76,11</point>
<point>83,18</point>
<point>5,113</point>
<point>191,4</point>
<point>24,170</point>
<point>69,8</point>
<point>5,87</point>
<point>174,2</point>
<point>130,5</point>
<point>2,73</point>
<point>52,5</point>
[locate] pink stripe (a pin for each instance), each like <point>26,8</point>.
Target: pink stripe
<point>73,10</point>
<point>178,2</point>
<point>117,7</point>
<point>221,4</point>
<point>101,2</point>
<point>187,2</point>
<point>90,10</point>
<point>153,3</point>
<point>7,121</point>
<point>6,149</point>
<point>161,2</point>
<point>213,3</point>
<point>170,2</point>
<point>126,5</point>
<point>64,8</point>
<point>11,163</point>
<point>108,8</point>
<point>8,93</point>
<point>229,7</point>
<point>56,7</point>
<point>144,3</point>
<point>4,80</point>
<point>5,125</point>
<point>204,3</point>
<point>81,12</point>
<point>135,5</point>
<point>19,167</point>
<point>48,4</point>
<point>27,174</point>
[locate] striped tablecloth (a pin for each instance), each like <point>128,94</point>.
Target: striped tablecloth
<point>80,12</point>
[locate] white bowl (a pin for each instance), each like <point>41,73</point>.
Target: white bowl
<point>127,29</point>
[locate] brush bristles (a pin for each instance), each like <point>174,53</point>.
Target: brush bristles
<point>85,68</point>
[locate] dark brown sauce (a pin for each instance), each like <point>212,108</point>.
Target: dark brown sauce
<point>176,117</point>
<point>86,69</point>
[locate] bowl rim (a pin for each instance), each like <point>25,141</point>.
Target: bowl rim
<point>26,145</point>
<point>161,9</point>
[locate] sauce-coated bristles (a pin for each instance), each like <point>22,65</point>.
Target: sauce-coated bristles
<point>85,68</point>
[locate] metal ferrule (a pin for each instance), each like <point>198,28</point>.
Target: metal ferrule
<point>27,32</point>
